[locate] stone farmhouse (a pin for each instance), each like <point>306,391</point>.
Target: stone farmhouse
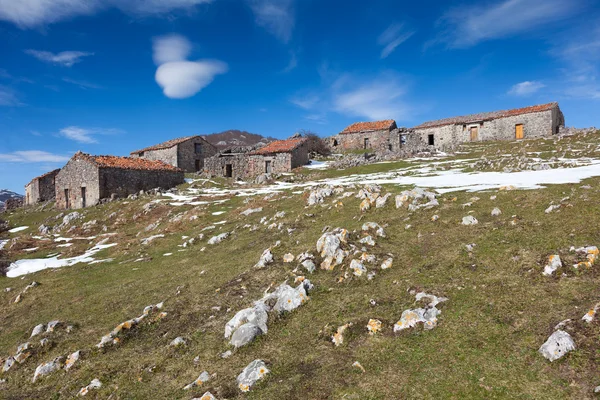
<point>187,153</point>
<point>373,135</point>
<point>521,123</point>
<point>276,157</point>
<point>41,188</point>
<point>87,179</point>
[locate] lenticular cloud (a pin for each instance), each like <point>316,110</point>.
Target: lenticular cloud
<point>178,77</point>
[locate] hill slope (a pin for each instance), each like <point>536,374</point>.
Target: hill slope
<point>235,138</point>
<point>500,308</point>
<point>7,194</point>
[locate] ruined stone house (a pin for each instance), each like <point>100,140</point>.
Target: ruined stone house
<point>228,164</point>
<point>87,179</point>
<point>516,124</point>
<point>187,153</point>
<point>374,135</point>
<point>41,188</point>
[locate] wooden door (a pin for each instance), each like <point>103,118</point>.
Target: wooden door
<point>474,133</point>
<point>519,131</point>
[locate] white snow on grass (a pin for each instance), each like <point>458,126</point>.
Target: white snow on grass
<point>219,212</point>
<point>3,243</point>
<point>19,229</point>
<point>29,266</point>
<point>314,164</point>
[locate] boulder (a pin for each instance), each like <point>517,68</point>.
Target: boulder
<point>204,377</point>
<point>255,371</point>
<point>469,220</point>
<point>557,345</point>
<point>554,263</point>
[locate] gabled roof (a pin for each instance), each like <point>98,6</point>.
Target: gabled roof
<point>53,172</point>
<point>369,126</point>
<point>487,116</point>
<point>126,163</point>
<point>168,144</point>
<point>280,146</point>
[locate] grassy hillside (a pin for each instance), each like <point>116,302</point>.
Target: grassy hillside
<point>500,308</point>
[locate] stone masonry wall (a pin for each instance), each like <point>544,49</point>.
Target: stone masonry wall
<point>168,156</point>
<point>123,182</point>
<point>378,141</point>
<point>217,165</point>
<point>299,156</point>
<point>32,192</point>
<point>280,162</point>
<point>47,187</point>
<point>76,174</point>
<point>187,155</point>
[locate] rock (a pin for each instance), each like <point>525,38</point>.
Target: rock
<point>496,212</point>
<point>358,269</point>
<point>47,368</point>
<point>149,240</point>
<point>557,345</point>
<point>373,326</point>
<point>387,263</point>
<point>44,342</point>
<point>256,315</point>
<point>72,359</point>
<point>94,384</point>
<point>329,247</point>
<point>52,325</point>
<point>43,229</point>
<point>373,226</point>
<point>204,377</point>
<point>256,370</point>
<point>289,298</point>
<point>554,263</point>
<point>382,200</point>
<point>206,396</point>
<point>368,240</point>
<point>338,336</point>
<point>591,314</point>
<point>309,265</point>
<point>8,364</point>
<point>219,238</point>
<point>39,329</point>
<point>245,334</point>
<point>435,218</point>
<point>469,220</point>
<point>597,389</point>
<point>265,259</point>
<point>427,316</point>
<point>418,197</point>
<point>553,207</point>
<point>591,254</point>
<point>358,365</point>
<point>177,342</point>
<point>317,196</point>
<point>288,258</point>
<point>226,354</point>
<point>251,211</point>
<point>365,205</point>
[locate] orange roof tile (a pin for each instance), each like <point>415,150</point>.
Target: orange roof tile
<point>127,163</point>
<point>487,116</point>
<point>280,146</point>
<point>369,126</point>
<point>166,145</point>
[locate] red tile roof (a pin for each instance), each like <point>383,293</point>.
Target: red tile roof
<point>168,144</point>
<point>487,116</point>
<point>53,172</point>
<point>280,146</point>
<point>127,163</point>
<point>369,126</point>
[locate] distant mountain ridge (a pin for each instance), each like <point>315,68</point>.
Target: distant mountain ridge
<point>236,138</point>
<point>7,194</point>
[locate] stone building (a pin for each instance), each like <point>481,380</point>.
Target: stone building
<point>516,124</point>
<point>187,153</point>
<point>276,157</point>
<point>41,188</point>
<point>86,179</point>
<point>373,136</point>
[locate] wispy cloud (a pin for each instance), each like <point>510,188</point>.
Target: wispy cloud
<point>178,77</point>
<point>306,102</point>
<point>467,26</point>
<point>32,156</point>
<point>33,13</point>
<point>292,64</point>
<point>86,135</point>
<point>8,97</point>
<point>82,84</point>
<point>393,37</point>
<point>276,16</point>
<point>64,58</point>
<point>526,88</point>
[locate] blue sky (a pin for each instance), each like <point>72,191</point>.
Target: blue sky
<point>111,76</point>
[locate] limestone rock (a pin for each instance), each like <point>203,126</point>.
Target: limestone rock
<point>218,238</point>
<point>496,212</point>
<point>47,368</point>
<point>72,359</point>
<point>554,263</point>
<point>204,377</point>
<point>37,330</point>
<point>177,342</point>
<point>557,345</point>
<point>94,384</point>
<point>427,315</point>
<point>256,370</point>
<point>265,259</point>
<point>469,220</point>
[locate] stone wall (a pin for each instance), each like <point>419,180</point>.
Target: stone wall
<point>168,156</point>
<point>32,192</point>
<point>187,156</point>
<point>217,165</point>
<point>377,141</point>
<point>77,174</point>
<point>300,156</point>
<point>123,182</point>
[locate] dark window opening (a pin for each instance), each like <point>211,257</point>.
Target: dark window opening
<point>228,170</point>
<point>464,127</point>
<point>268,167</point>
<point>67,204</point>
<point>198,148</point>
<point>141,154</point>
<point>431,140</point>
<point>367,144</point>
<point>390,147</point>
<point>83,202</point>
<point>481,124</point>
<point>335,142</point>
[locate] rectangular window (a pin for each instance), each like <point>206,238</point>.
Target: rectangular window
<point>198,148</point>
<point>83,200</point>
<point>431,140</point>
<point>141,154</point>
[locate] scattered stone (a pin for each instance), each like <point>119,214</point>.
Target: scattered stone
<point>470,247</point>
<point>358,365</point>
<point>469,220</point>
<point>358,269</point>
<point>47,368</point>
<point>265,259</point>
<point>94,384</point>
<point>416,199</point>
<point>368,226</point>
<point>288,258</point>
<point>206,396</point>
<point>373,326</point>
<point>427,316</point>
<point>39,329</point>
<point>309,265</point>
<point>219,238</point>
<point>251,211</point>
<point>368,240</point>
<point>435,218</point>
<point>150,239</point>
<point>553,207</point>
<point>318,195</point>
<point>496,212</point>
<point>557,345</point>
<point>204,377</point>
<point>387,263</point>
<point>112,338</point>
<point>72,359</point>
<point>329,247</point>
<point>554,263</point>
<point>591,314</point>
<point>52,325</point>
<point>177,342</point>
<point>226,354</point>
<point>382,200</point>
<point>338,337</point>
<point>256,370</point>
<point>591,254</point>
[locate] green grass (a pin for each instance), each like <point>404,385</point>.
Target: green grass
<point>500,308</point>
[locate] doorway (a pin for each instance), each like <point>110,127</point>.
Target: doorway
<point>83,202</point>
<point>474,133</point>
<point>431,140</point>
<point>268,167</point>
<point>367,144</point>
<point>67,203</point>
<point>228,170</point>
<point>519,131</point>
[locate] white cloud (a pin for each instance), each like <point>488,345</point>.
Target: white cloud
<point>526,88</point>
<point>469,25</point>
<point>64,58</point>
<point>85,135</point>
<point>8,97</point>
<point>82,84</point>
<point>306,102</point>
<point>276,16</point>
<point>32,156</point>
<point>178,77</point>
<point>293,63</point>
<point>393,37</point>
<point>33,13</point>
